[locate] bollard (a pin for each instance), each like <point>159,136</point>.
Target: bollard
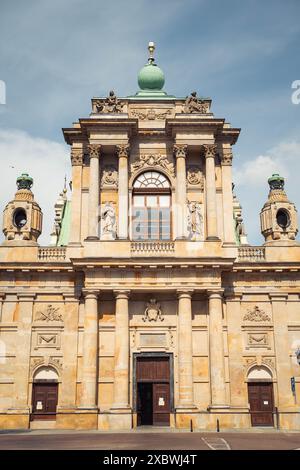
<point>191,426</point>
<point>218,425</point>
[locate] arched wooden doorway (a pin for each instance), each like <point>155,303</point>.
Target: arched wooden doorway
<point>261,397</point>
<point>44,394</point>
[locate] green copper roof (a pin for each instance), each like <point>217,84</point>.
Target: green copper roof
<point>24,181</point>
<point>276,181</point>
<point>63,238</point>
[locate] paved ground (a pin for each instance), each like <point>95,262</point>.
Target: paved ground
<point>44,440</point>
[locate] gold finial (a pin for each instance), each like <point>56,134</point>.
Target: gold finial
<point>151,49</point>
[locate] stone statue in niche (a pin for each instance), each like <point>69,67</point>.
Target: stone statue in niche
<point>195,221</point>
<point>153,311</point>
<point>108,222</point>
<point>110,104</point>
<point>195,105</point>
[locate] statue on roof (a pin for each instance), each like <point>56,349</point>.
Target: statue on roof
<point>195,105</point>
<point>111,104</point>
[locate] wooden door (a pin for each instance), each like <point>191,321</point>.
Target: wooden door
<point>261,403</point>
<point>161,404</point>
<point>153,390</point>
<point>44,400</point>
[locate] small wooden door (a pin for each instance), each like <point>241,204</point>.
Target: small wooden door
<point>161,404</point>
<point>44,400</point>
<point>145,404</point>
<point>261,403</point>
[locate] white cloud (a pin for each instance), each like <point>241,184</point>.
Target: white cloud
<point>45,160</point>
<point>251,178</point>
<point>284,158</point>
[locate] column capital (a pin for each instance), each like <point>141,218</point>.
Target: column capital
<point>76,156</point>
<point>209,150</point>
<point>90,293</point>
<point>226,157</point>
<point>123,150</point>
<point>180,150</point>
<point>215,293</point>
<point>122,293</point>
<point>94,150</point>
<point>184,293</point>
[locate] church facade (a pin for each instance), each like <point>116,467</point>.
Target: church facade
<point>149,307</point>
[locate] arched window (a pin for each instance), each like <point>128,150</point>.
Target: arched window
<point>151,207</point>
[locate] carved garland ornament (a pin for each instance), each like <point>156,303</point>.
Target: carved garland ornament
<point>150,114</point>
<point>256,315</point>
<point>153,161</point>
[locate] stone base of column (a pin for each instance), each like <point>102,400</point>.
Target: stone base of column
<point>91,238</point>
<point>218,407</point>
<point>120,418</point>
<point>82,417</point>
<point>186,409</point>
<point>15,418</point>
<point>213,238</point>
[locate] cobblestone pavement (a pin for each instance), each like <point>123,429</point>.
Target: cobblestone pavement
<point>76,440</point>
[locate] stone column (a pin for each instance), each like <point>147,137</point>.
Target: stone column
<point>121,371</point>
<point>211,203</point>
<point>21,400</point>
<point>90,351</point>
<point>216,350</point>
<point>123,153</point>
<point>94,192</point>
<point>77,160</point>
<point>180,152</point>
<point>185,350</point>
<point>226,163</point>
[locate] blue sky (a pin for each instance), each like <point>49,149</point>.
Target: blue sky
<point>243,54</point>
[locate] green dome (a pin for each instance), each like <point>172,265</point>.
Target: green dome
<point>24,181</point>
<point>151,77</point>
<point>276,181</point>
